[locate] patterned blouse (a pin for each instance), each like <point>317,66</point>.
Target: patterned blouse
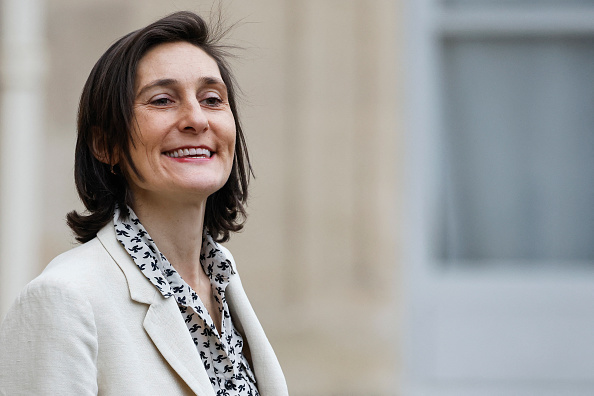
<point>222,354</point>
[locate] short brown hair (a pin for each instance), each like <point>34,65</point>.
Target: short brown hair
<point>105,123</point>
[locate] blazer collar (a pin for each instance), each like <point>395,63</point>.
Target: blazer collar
<point>163,322</point>
<point>141,290</point>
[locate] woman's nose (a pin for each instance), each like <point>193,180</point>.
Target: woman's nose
<point>193,118</point>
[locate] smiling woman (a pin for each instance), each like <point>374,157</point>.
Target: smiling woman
<point>150,303</point>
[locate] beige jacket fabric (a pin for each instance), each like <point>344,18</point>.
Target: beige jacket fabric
<point>92,324</point>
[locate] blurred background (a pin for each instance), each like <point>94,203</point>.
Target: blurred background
<point>420,222</point>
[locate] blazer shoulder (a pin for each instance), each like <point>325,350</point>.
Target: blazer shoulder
<point>81,262</point>
<point>48,339</point>
<point>84,268</point>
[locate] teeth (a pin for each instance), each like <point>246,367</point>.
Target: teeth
<point>192,152</point>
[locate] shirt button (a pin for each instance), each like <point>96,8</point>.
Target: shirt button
<point>228,384</point>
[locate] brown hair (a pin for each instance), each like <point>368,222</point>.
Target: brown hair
<point>105,120</point>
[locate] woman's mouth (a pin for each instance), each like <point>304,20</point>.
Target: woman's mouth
<point>189,153</point>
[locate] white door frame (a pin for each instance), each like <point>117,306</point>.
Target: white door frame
<point>492,331</point>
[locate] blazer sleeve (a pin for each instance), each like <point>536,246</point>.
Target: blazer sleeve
<point>48,343</point>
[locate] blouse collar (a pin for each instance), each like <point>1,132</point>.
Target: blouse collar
<point>155,266</point>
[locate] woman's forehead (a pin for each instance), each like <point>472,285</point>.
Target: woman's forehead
<point>181,61</point>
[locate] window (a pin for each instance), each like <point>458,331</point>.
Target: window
<point>518,149</point>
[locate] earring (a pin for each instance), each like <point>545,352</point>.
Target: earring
<point>112,171</point>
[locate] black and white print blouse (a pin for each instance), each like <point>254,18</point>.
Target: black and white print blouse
<point>221,354</point>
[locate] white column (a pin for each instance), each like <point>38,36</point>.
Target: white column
<point>23,65</point>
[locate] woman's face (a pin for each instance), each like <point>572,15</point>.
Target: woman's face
<point>184,138</point>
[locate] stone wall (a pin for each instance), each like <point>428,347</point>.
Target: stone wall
<point>322,110</point>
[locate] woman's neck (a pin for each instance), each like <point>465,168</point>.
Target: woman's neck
<point>177,231</point>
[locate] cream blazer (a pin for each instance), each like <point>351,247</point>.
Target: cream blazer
<point>92,324</point>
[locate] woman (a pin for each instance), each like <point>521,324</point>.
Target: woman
<point>150,303</point>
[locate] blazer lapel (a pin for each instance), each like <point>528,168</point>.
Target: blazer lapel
<point>165,326</point>
<point>269,376</point>
<point>163,321</point>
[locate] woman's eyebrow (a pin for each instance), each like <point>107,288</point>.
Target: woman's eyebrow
<point>163,82</point>
<point>167,82</point>
<point>208,80</point>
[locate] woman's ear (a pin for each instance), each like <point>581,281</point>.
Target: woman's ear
<point>99,148</point>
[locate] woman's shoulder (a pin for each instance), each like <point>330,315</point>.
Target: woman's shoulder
<point>80,262</point>
<point>51,329</point>
<point>78,270</point>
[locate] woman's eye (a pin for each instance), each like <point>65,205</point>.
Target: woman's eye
<point>212,101</point>
<point>161,101</point>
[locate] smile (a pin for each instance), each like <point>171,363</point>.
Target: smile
<point>189,153</point>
